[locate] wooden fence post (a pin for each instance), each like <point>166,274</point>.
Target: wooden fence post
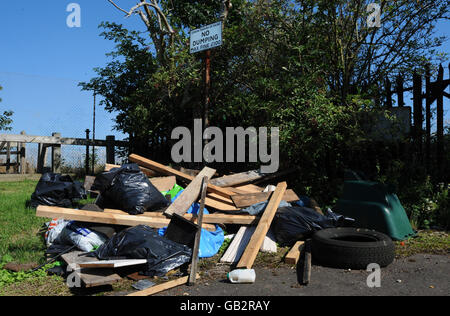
<point>23,164</point>
<point>56,155</point>
<point>428,101</point>
<point>42,157</point>
<point>111,150</point>
<point>400,100</point>
<point>8,157</point>
<point>388,93</point>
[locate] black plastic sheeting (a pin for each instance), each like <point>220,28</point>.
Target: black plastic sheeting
<point>128,188</point>
<point>142,242</point>
<point>54,189</point>
<point>291,224</point>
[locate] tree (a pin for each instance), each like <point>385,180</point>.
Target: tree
<point>5,118</point>
<point>310,67</point>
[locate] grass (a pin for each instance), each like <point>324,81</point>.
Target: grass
<point>426,242</point>
<point>19,227</point>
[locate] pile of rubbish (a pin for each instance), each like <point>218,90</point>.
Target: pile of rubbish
<point>149,219</point>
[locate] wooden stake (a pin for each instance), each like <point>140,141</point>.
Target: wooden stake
<point>199,233</point>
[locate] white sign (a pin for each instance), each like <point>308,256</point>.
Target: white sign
<point>207,37</point>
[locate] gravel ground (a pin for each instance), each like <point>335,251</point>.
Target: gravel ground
<point>424,275</point>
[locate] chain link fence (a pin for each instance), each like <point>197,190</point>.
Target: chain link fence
<point>58,106</point>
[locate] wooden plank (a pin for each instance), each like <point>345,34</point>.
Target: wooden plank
<point>164,183</point>
<point>238,178</point>
<point>113,264</point>
<point>109,166</point>
<point>246,200</point>
<point>190,217</point>
<point>90,277</point>
<point>250,253</point>
<point>155,220</point>
<point>249,188</point>
<point>293,255</point>
<point>194,263</point>
<point>153,165</point>
<point>220,203</point>
<point>216,218</point>
<point>162,287</point>
<point>101,218</point>
<point>190,194</point>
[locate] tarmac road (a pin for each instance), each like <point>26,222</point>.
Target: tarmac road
<point>424,275</point>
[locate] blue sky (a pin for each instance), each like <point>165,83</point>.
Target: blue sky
<point>42,60</point>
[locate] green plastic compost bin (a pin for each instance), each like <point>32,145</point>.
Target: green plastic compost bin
<point>375,206</point>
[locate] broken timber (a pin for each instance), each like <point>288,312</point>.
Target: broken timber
<point>190,194</point>
<point>294,254</point>
<point>162,287</point>
<point>90,277</point>
<point>250,253</point>
<point>153,165</point>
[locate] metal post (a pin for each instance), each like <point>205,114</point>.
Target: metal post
<point>207,86</point>
<point>207,99</point>
<point>87,152</point>
<point>93,139</point>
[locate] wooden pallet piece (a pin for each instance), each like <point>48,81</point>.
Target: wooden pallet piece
<point>246,200</point>
<point>293,255</point>
<point>112,264</point>
<point>164,183</point>
<point>250,253</point>
<point>190,194</point>
<point>90,277</point>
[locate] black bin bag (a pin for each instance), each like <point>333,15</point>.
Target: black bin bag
<point>128,188</point>
<point>291,224</point>
<point>142,242</point>
<point>54,189</point>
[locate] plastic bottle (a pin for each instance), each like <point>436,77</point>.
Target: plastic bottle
<point>242,276</point>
